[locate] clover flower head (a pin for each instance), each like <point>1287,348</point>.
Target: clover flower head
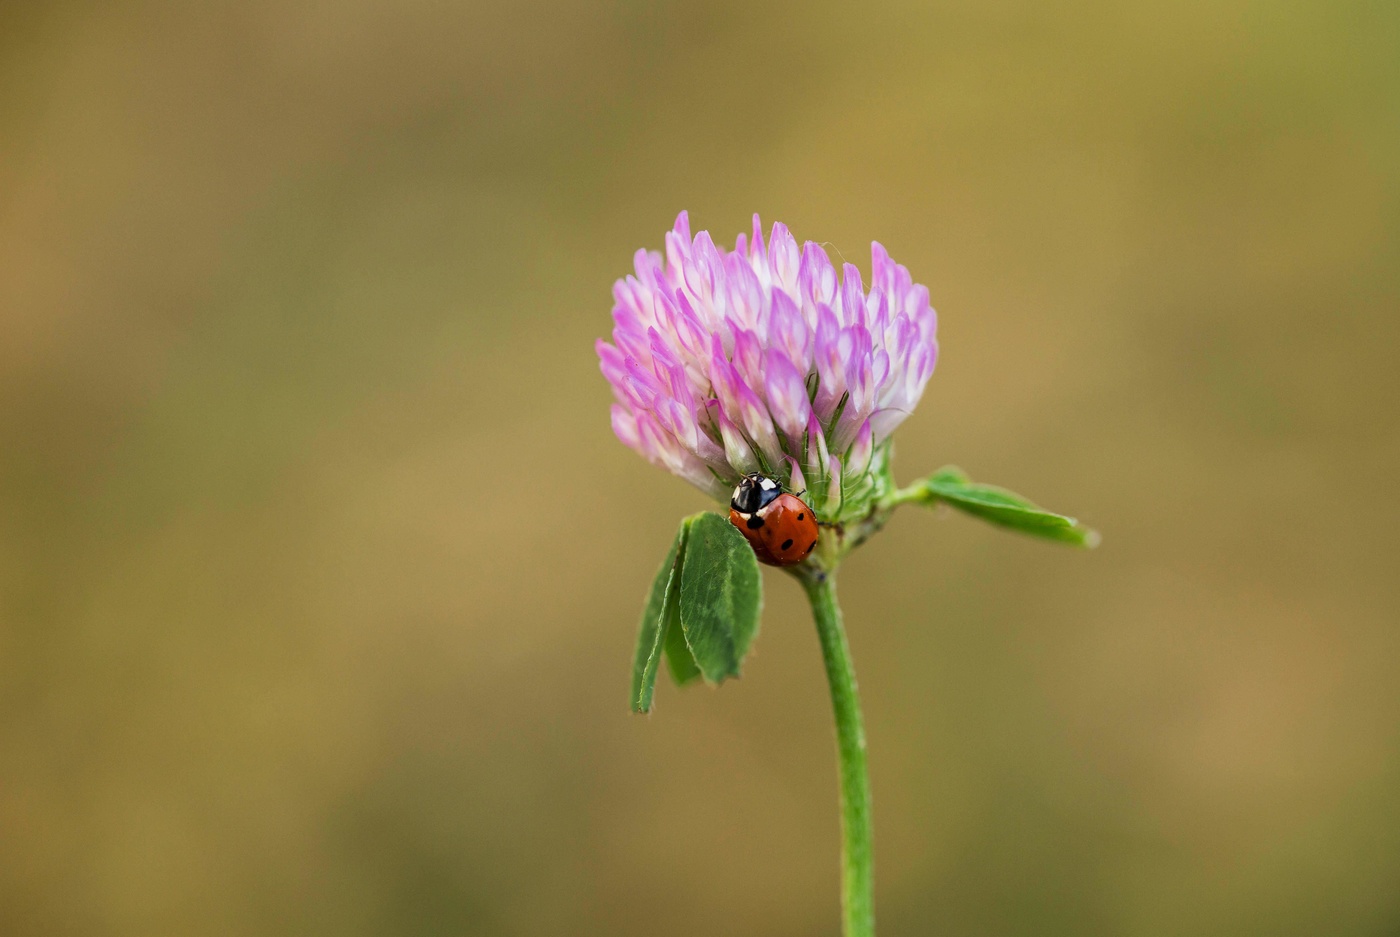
<point>767,359</point>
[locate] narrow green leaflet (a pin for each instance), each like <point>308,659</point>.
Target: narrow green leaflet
<point>662,604</point>
<point>1003,507</point>
<point>679,660</point>
<point>721,596</point>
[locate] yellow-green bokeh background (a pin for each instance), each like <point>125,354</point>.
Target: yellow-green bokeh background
<point>319,566</point>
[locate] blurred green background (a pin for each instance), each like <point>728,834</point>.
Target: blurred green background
<point>320,568</point>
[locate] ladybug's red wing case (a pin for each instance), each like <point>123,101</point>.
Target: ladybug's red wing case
<point>789,530</point>
<point>753,536</point>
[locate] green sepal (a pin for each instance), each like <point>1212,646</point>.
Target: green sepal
<point>1006,508</point>
<point>662,608</point>
<point>721,596</point>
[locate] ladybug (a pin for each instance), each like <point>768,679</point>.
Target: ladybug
<point>780,526</point>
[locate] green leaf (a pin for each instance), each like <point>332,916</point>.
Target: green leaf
<point>951,485</point>
<point>721,596</point>
<point>662,604</point>
<point>679,660</point>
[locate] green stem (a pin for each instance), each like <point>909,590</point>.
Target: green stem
<point>857,850</point>
<point>915,493</point>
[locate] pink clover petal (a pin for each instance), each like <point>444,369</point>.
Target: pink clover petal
<point>852,296</point>
<point>748,358</point>
<point>704,274</point>
<point>736,448</point>
<point>787,394</point>
<point>724,379</point>
<point>816,279</point>
<point>881,268</point>
<point>677,257</point>
<point>744,293</point>
<point>830,360</point>
<point>796,480</point>
<point>649,266</point>
<point>758,253</point>
<point>858,459</point>
<point>788,331</point>
<point>783,258</point>
<point>758,424</point>
<point>624,426</point>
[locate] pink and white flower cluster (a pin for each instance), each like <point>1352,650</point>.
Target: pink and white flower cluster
<point>764,359</point>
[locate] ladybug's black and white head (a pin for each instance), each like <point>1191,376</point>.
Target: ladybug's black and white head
<point>754,492</point>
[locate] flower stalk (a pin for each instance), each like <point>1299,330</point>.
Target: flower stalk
<point>857,822</point>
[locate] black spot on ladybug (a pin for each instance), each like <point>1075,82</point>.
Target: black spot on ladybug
<point>754,522</point>
<point>800,515</point>
<point>787,544</point>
